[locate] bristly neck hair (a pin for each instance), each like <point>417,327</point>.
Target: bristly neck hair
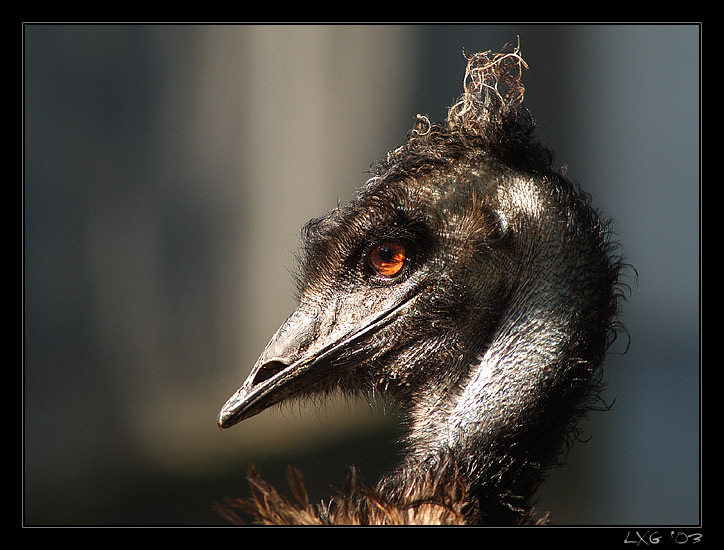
<point>489,469</point>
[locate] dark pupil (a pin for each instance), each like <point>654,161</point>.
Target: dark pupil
<point>386,254</point>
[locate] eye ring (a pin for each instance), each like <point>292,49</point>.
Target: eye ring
<point>387,259</point>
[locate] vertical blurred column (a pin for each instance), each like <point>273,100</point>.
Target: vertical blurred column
<point>288,119</point>
<point>299,113</point>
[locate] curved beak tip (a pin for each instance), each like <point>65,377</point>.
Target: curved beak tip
<point>228,415</point>
<point>221,421</point>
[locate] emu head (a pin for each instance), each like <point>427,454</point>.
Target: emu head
<point>467,280</point>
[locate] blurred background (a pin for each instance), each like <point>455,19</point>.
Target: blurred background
<point>167,172</point>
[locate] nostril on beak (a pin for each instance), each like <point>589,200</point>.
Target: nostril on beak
<point>267,370</point>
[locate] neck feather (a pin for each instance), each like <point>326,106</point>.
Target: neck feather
<point>504,422</point>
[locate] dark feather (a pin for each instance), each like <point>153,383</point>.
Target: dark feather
<point>488,332</point>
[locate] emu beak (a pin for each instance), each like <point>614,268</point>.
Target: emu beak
<point>300,355</point>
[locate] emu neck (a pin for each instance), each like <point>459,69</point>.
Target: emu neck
<point>504,421</point>
<point>500,433</point>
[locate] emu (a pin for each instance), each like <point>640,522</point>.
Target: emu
<point>475,286</point>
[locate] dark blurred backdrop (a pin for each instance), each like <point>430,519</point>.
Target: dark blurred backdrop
<point>167,170</point>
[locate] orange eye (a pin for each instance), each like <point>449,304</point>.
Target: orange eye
<point>387,259</point>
